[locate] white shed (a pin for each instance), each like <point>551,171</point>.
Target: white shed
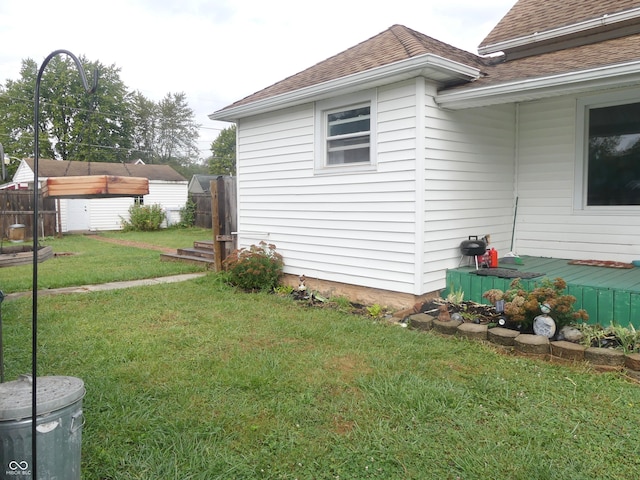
<point>167,188</point>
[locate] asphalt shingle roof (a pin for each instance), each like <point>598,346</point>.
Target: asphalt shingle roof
<point>395,44</point>
<point>527,17</point>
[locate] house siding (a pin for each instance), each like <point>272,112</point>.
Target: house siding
<point>469,183</point>
<point>349,228</point>
<point>548,222</point>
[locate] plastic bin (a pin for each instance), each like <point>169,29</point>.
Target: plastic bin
<point>16,232</point>
<point>59,428</point>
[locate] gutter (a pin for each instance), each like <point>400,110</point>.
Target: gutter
<point>421,65</point>
<point>620,75</point>
<point>573,29</point>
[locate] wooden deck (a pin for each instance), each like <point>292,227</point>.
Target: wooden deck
<point>607,294</point>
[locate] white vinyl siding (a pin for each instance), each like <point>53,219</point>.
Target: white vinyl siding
<point>548,223</point>
<point>355,228</point>
<point>468,177</point>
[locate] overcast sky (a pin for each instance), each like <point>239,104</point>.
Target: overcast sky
<point>219,51</point>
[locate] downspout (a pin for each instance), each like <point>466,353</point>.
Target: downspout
<point>420,214</point>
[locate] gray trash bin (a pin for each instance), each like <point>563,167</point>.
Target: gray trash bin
<point>59,426</point>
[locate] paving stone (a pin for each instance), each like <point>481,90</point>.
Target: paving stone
<point>472,331</point>
<point>608,357</point>
<point>421,321</point>
<point>531,344</point>
<point>632,361</point>
<point>447,328</point>
<point>568,350</point>
<point>502,336</point>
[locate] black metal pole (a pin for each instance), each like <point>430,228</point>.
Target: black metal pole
<point>34,307</point>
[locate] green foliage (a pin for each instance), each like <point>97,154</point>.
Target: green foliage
<point>144,218</point>
<point>188,214</point>
<point>522,306</point>
<point>257,268</point>
<point>223,149</point>
<point>375,310</point>
<point>626,339</point>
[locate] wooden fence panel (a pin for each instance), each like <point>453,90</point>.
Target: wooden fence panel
<point>16,207</point>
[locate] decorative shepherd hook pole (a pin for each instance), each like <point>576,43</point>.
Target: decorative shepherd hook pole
<point>34,319</point>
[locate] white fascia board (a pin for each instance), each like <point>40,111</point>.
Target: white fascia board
<point>532,89</point>
<point>607,19</point>
<point>425,65</point>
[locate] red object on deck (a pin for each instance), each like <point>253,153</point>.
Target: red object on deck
<point>493,258</point>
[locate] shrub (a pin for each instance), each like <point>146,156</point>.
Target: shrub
<point>188,214</point>
<point>144,218</point>
<point>258,267</point>
<point>522,306</point>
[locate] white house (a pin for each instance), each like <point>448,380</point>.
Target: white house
<point>167,188</point>
<point>370,168</point>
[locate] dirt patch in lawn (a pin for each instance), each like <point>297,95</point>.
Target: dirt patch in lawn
<point>131,243</point>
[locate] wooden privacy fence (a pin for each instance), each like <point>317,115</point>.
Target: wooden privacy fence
<point>17,208</point>
<point>223,219</point>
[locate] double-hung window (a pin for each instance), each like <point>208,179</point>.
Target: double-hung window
<point>345,133</point>
<point>610,154</point>
<point>348,138</point>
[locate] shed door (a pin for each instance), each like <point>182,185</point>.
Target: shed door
<point>78,217</point>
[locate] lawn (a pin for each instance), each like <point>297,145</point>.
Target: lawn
<point>198,381</point>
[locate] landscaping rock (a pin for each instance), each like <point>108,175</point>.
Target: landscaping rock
<point>447,328</point>
<point>502,336</point>
<point>472,331</point>
<point>608,357</point>
<point>421,321</point>
<point>632,361</point>
<point>568,350</point>
<point>570,334</point>
<point>531,344</point>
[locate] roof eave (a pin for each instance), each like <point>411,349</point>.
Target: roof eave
<point>432,66</point>
<point>564,31</point>
<point>621,75</point>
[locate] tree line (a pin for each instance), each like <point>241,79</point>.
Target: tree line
<point>114,124</point>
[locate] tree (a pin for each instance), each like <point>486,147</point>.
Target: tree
<point>73,125</point>
<point>223,148</point>
<point>177,133</point>
<point>144,113</point>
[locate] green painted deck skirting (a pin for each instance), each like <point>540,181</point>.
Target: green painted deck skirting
<point>607,294</point>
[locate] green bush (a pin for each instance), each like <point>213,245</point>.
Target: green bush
<point>144,218</point>
<point>257,268</point>
<point>188,214</point>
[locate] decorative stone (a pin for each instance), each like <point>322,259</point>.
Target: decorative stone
<point>447,328</point>
<point>570,334</point>
<point>502,336</point>
<point>421,321</point>
<point>568,350</point>
<point>472,331</point>
<point>609,357</point>
<point>632,361</point>
<point>531,344</point>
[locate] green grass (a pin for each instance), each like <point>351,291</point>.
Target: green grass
<point>88,261</point>
<point>197,381</point>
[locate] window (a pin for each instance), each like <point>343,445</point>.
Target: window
<point>345,133</point>
<point>348,135</point>
<point>613,170</point>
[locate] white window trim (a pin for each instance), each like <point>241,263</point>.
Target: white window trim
<point>345,101</point>
<point>583,106</point>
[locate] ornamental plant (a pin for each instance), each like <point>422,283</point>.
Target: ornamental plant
<point>144,218</point>
<point>522,305</point>
<point>258,267</point>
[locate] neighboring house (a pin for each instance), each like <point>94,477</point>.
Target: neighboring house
<point>201,183</point>
<point>372,166</point>
<point>167,188</point>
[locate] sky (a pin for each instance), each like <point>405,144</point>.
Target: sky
<point>219,51</point>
